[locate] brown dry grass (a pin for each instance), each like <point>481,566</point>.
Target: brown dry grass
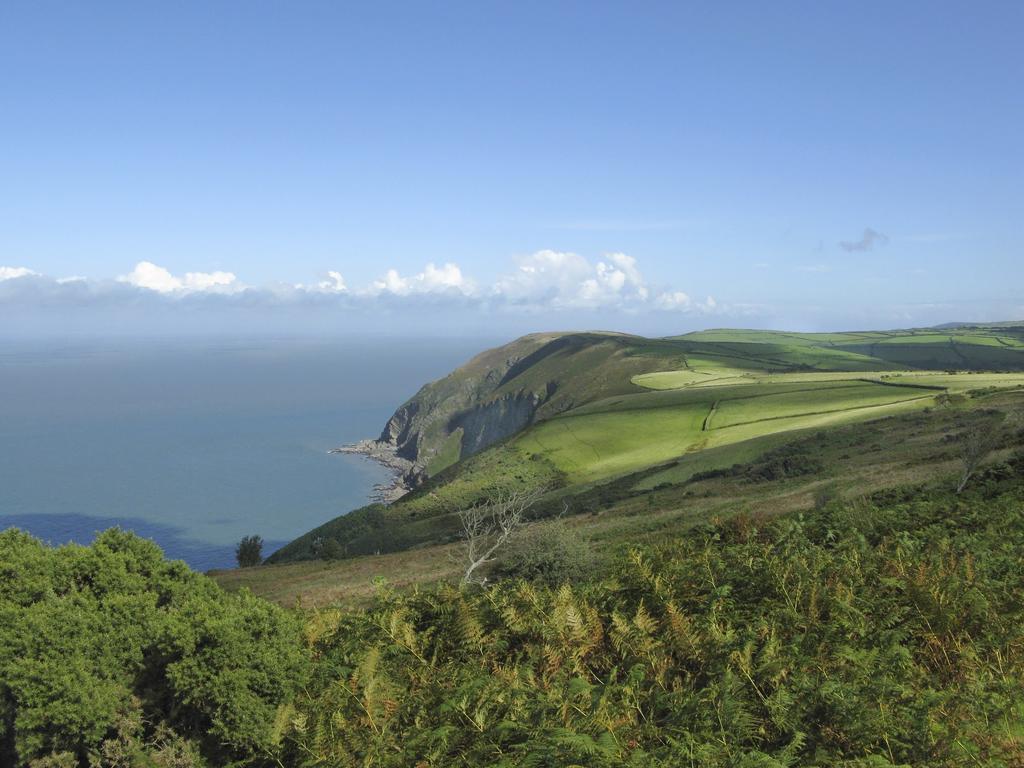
<point>316,583</point>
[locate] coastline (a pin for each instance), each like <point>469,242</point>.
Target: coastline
<point>386,455</point>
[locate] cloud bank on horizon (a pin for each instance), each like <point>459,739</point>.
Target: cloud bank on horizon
<point>539,291</point>
<point>545,280</point>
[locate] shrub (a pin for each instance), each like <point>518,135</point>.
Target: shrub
<point>111,650</point>
<point>777,464</point>
<point>550,553</point>
<point>332,550</point>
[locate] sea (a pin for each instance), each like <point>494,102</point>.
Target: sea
<point>196,443</point>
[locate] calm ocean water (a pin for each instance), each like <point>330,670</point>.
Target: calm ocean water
<point>195,444</point>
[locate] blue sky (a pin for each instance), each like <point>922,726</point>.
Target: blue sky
<point>807,165</point>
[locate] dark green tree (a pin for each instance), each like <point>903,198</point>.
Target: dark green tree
<point>249,551</point>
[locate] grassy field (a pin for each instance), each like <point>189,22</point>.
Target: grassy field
<point>351,582</point>
<point>545,375</point>
<point>820,399</point>
<point>591,447</point>
<point>692,410</point>
<point>996,335</point>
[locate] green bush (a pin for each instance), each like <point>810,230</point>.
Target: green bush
<point>548,553</point>
<point>795,460</point>
<point>111,649</point>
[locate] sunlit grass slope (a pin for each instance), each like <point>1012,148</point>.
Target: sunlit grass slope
<point>628,433</point>
<point>705,405</point>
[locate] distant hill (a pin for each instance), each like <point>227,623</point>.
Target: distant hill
<point>536,377</point>
<point>1000,325</point>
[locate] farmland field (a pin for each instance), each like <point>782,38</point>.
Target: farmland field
<point>694,409</point>
<point>605,444</point>
<point>630,432</point>
<point>825,398</point>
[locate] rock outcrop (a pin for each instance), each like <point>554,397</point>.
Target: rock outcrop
<point>498,393</point>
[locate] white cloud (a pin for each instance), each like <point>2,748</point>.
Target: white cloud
<point>615,281</point>
<point>548,277</point>
<point>148,275</point>
<point>433,279</point>
<point>208,281</point>
<point>680,302</point>
<point>673,300</point>
<point>868,240</point>
<point>11,273</point>
<point>563,280</point>
<point>334,283</point>
<point>155,278</point>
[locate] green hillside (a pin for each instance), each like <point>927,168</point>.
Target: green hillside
<point>568,411</point>
<point>543,376</point>
<point>540,376</point>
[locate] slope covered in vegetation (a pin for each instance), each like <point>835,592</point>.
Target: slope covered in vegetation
<point>540,376</point>
<point>885,632</point>
<point>569,411</point>
<point>882,631</point>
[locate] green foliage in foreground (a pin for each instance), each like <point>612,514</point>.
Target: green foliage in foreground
<point>111,655</point>
<point>882,632</point>
<point>875,634</point>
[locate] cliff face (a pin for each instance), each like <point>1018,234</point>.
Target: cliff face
<point>504,390</point>
<point>397,431</point>
<point>465,404</point>
<point>491,422</point>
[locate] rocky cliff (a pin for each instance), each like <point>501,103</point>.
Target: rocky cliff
<point>503,391</point>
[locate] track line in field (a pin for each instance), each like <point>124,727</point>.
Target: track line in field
<point>958,353</point>
<point>707,419</point>
<point>581,441</point>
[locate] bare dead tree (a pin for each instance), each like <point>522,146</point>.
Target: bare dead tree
<point>486,528</point>
<point>975,444</point>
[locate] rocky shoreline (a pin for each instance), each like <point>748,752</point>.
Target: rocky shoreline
<point>385,454</point>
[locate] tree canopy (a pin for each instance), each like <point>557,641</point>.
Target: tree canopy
<point>111,649</point>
